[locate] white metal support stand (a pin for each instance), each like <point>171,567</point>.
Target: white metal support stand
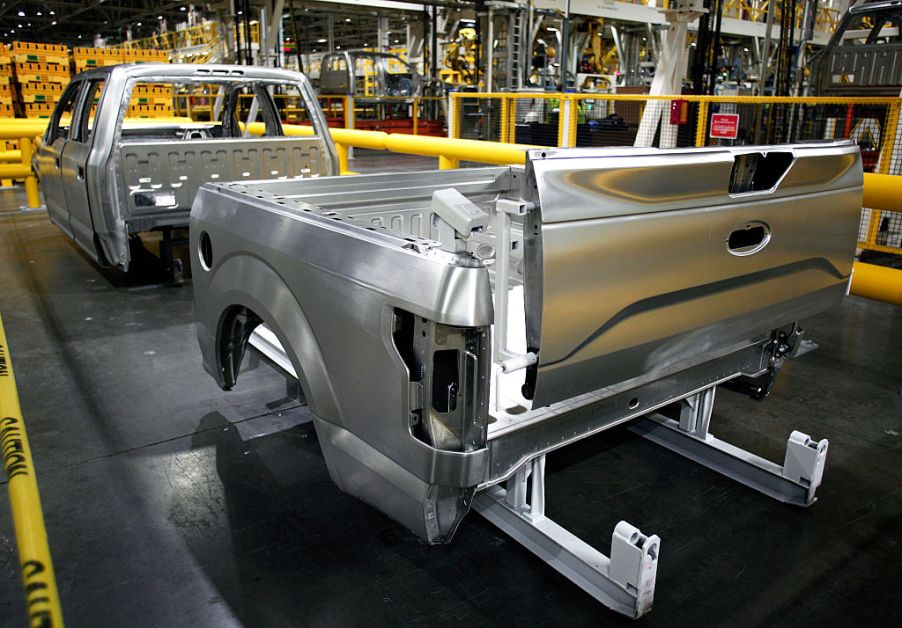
<point>794,483</point>
<point>624,582</point>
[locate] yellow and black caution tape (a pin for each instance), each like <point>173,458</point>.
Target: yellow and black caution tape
<point>31,536</point>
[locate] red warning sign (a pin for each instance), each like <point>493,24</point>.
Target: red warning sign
<point>724,126</point>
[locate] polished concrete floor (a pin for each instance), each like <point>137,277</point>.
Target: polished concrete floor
<point>171,503</point>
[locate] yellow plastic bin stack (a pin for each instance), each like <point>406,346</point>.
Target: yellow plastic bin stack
<point>150,100</point>
<point>90,58</point>
<point>41,74</point>
<point>144,56</point>
<point>6,80</point>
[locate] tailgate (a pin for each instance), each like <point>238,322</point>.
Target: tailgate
<point>643,260</point>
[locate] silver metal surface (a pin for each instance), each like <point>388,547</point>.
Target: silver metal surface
<point>625,582</point>
<point>628,269</point>
<point>390,331</point>
<point>345,73</point>
<point>793,483</point>
<point>100,186</point>
<point>862,57</point>
<point>157,168</point>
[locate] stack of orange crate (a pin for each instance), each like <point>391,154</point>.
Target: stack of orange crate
<point>6,80</point>
<point>144,56</point>
<point>41,73</point>
<point>89,58</point>
<point>149,100</point>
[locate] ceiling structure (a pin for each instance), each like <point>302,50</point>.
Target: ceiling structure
<point>76,23</point>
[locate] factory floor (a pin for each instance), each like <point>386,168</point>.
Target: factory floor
<point>169,502</point>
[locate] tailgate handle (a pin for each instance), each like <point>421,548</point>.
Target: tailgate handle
<point>748,239</point>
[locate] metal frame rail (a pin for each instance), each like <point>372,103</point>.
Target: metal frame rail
<point>625,581</point>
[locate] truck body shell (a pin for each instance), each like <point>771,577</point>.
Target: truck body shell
<point>106,176</point>
<point>449,326</point>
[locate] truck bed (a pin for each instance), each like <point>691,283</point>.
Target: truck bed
<point>632,279</point>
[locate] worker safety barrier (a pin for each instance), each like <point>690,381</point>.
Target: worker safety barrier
<point>16,164</point>
<point>193,36</point>
<point>565,119</point>
<point>420,115</point>
<point>881,226</point>
<point>42,598</point>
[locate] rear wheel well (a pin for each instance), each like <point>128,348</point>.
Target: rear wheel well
<point>236,325</point>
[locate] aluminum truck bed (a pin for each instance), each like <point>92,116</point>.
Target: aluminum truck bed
<point>450,328</point>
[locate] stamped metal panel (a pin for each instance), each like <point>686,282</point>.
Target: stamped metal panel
<point>327,286</point>
<point>163,176</point>
<point>629,268</point>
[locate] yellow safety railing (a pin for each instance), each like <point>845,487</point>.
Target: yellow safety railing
<point>877,282</point>
<point>202,34</point>
<point>826,19</point>
<point>38,578</point>
<point>449,151</point>
<point>416,115</point>
<point>881,227</point>
<point>16,164</point>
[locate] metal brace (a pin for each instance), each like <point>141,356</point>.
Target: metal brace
<point>793,483</point>
<point>625,582</point>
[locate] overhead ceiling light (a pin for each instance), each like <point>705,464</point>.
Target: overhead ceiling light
<point>53,13</point>
<point>79,36</point>
<point>53,23</point>
<point>338,47</point>
<point>18,26</point>
<point>21,14</point>
<point>138,24</point>
<point>39,13</point>
<point>182,9</point>
<point>396,41</point>
<point>347,19</point>
<point>159,17</point>
<point>321,41</point>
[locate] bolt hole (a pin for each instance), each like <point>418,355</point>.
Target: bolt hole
<point>205,251</point>
<point>634,403</point>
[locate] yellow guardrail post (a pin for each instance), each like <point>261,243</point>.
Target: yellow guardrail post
<point>343,163</point>
<point>32,194</point>
<point>701,124</point>
<point>505,132</point>
<point>454,114</point>
<point>445,162</point>
<point>414,111</point>
<point>28,519</point>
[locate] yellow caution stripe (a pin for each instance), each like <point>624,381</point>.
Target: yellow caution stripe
<point>31,536</point>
